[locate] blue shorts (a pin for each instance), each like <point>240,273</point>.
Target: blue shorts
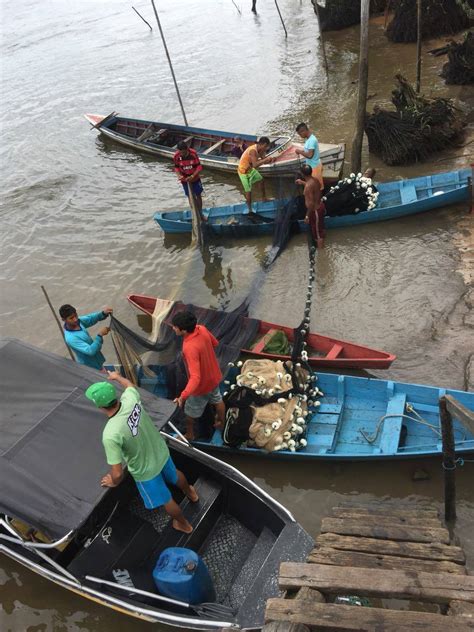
<point>155,492</point>
<point>196,187</point>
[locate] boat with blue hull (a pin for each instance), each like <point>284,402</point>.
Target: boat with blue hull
<point>359,418</point>
<point>396,199</point>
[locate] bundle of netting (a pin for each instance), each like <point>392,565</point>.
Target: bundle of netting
<point>351,195</point>
<point>459,68</point>
<point>339,14</point>
<point>418,127</point>
<point>275,399</point>
<point>439,17</point>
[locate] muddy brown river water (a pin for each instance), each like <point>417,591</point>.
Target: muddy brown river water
<point>76,216</point>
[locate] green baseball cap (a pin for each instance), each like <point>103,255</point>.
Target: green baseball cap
<point>102,394</point>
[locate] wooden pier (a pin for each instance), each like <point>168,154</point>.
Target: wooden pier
<point>383,550</point>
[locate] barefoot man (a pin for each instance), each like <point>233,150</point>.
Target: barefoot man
<point>129,436</point>
<point>314,207</point>
<point>203,371</point>
<point>253,157</point>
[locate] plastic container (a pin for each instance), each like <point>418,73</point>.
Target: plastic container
<point>181,574</point>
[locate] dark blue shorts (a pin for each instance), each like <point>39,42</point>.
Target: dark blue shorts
<point>196,187</point>
<point>155,492</point>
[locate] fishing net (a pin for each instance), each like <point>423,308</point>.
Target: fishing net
<point>418,127</point>
<point>351,195</point>
<point>439,17</point>
<point>459,68</point>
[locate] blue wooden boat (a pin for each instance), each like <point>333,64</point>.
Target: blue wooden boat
<point>396,199</point>
<point>360,418</point>
<point>213,147</point>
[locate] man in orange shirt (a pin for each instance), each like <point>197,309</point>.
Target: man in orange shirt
<point>203,371</point>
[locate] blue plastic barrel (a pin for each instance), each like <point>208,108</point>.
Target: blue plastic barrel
<point>181,574</point>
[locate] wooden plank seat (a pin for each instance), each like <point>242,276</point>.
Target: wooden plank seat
<point>259,346</point>
<point>392,426</point>
<point>146,133</point>
<point>215,146</point>
<point>186,140</point>
<point>334,352</point>
<point>408,194</point>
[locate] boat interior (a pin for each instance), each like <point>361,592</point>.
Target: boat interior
<point>234,531</point>
<point>167,137</point>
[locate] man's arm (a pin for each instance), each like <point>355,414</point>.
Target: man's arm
<point>91,319</point>
<point>81,346</point>
<point>195,174</point>
<point>194,369</point>
<point>114,375</point>
<point>255,161</point>
<point>114,477</point>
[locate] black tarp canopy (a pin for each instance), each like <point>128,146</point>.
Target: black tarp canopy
<point>51,454</point>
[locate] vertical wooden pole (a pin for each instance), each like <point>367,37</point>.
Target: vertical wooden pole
<point>356,158</point>
<point>254,6</point>
<point>471,191</point>
<point>449,461</point>
<point>169,62</point>
<point>279,13</point>
<point>141,16</point>
<point>418,46</point>
<point>57,321</point>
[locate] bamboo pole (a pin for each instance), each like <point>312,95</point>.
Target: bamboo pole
<point>57,322</point>
<point>356,158</point>
<point>233,2</point>
<point>449,461</point>
<point>169,62</point>
<point>254,6</point>
<point>279,13</point>
<point>418,46</point>
<point>141,16</point>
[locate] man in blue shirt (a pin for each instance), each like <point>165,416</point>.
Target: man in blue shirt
<point>310,152</point>
<point>86,349</point>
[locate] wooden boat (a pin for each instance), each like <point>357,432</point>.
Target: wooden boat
<point>323,351</point>
<point>397,199</point>
<point>358,418</point>
<point>213,147</point>
<point>101,543</point>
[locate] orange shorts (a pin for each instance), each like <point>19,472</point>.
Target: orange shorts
<point>317,173</point>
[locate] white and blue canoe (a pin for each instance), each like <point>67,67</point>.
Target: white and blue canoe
<point>360,418</point>
<point>396,199</point>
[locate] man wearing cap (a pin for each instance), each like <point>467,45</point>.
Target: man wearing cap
<point>87,350</point>
<point>129,436</point>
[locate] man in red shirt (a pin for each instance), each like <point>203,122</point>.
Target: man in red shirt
<point>203,371</point>
<point>188,167</point>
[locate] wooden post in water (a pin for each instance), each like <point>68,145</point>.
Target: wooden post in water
<point>169,62</point>
<point>57,321</point>
<point>418,46</point>
<point>279,13</point>
<point>325,59</point>
<point>449,461</point>
<point>356,158</point>
<point>254,6</point>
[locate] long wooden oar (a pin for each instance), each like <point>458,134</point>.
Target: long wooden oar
<point>57,322</point>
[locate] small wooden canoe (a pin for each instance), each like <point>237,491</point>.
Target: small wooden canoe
<point>397,199</point>
<point>323,351</point>
<point>213,147</point>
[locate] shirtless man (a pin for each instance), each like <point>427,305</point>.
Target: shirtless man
<point>314,209</point>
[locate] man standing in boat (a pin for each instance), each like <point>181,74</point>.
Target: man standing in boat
<point>129,436</point>
<point>188,167</point>
<point>314,207</point>
<point>86,350</point>
<point>253,157</point>
<point>310,152</point>
<point>203,371</point>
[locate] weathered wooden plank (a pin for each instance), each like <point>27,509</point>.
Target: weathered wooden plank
<point>367,582</point>
<point>369,519</point>
<point>415,550</point>
<point>334,557</point>
<point>392,507</point>
<point>384,532</point>
<point>341,617</point>
<point>342,512</point>
<point>460,609</point>
<point>459,411</point>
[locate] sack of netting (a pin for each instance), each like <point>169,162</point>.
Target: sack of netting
<point>345,199</point>
<point>239,416</point>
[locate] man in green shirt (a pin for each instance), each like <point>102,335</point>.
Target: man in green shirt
<point>129,436</point>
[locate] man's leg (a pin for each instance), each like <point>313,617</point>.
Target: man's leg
<point>248,199</point>
<point>179,521</point>
<point>189,434</point>
<point>220,411</point>
<point>187,489</point>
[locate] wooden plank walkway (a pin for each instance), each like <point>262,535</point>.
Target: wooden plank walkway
<point>377,551</point>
